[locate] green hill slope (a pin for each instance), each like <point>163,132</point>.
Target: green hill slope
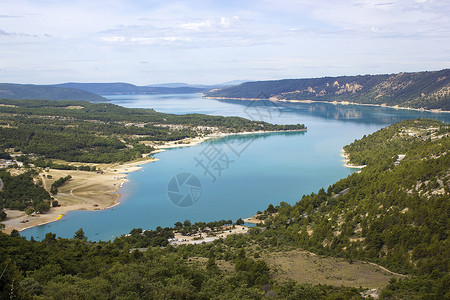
<point>44,92</point>
<point>393,213</point>
<point>428,90</point>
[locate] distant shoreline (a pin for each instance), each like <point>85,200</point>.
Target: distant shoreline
<point>274,99</point>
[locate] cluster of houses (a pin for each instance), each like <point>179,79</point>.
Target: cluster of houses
<point>174,241</point>
<point>7,163</point>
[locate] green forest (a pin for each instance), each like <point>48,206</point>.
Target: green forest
<point>428,90</point>
<point>104,133</point>
<point>20,192</point>
<point>393,213</point>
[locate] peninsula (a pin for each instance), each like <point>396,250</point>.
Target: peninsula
<point>94,146</point>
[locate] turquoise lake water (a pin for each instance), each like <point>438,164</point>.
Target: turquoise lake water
<point>248,172</point>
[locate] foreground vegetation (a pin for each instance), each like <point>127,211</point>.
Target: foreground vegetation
<point>77,269</point>
<point>393,213</point>
<point>429,90</point>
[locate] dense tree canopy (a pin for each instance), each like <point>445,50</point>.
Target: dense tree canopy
<point>20,192</point>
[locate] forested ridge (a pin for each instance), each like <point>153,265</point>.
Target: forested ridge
<point>393,213</point>
<point>46,92</point>
<point>428,90</point>
<point>103,132</point>
<point>122,88</point>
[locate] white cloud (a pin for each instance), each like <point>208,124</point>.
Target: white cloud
<point>224,21</point>
<point>144,40</point>
<point>196,25</point>
<point>114,39</point>
<point>209,41</point>
<point>175,39</point>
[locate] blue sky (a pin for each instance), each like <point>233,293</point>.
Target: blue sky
<point>206,41</point>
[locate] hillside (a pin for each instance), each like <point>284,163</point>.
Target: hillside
<point>45,92</point>
<point>394,213</point>
<point>121,88</point>
<point>428,90</point>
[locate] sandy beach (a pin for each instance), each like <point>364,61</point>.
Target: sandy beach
<point>85,191</point>
<point>195,141</point>
<point>346,160</point>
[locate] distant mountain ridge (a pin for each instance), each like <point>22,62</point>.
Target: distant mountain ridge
<point>202,86</point>
<point>45,92</point>
<point>122,88</point>
<point>428,90</point>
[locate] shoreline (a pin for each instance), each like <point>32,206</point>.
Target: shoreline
<point>275,99</point>
<point>346,160</point>
<point>90,191</point>
<point>93,191</point>
<point>198,140</point>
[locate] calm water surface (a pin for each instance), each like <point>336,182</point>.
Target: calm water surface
<point>249,171</point>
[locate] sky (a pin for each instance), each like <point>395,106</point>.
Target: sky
<point>214,41</point>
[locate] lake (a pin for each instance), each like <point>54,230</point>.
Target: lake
<point>235,176</point>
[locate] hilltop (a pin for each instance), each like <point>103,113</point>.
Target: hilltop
<point>427,90</point>
<point>45,92</point>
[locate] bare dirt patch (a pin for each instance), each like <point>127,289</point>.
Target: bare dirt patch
<point>305,267</point>
<point>74,107</point>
